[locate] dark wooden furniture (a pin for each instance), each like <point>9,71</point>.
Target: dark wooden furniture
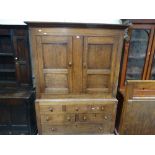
<point>17,115</point>
<point>14,57</point>
<point>138,63</point>
<point>76,73</point>
<point>138,112</point>
<point>16,90</point>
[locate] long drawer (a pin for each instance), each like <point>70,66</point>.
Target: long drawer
<point>76,108</point>
<point>77,129</point>
<point>78,117</point>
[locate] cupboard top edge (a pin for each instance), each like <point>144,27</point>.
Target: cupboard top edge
<point>75,25</point>
<point>138,21</point>
<point>44,31</point>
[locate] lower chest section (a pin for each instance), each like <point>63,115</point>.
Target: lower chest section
<point>78,117</point>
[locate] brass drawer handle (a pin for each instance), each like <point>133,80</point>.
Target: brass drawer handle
<point>102,108</point>
<point>100,128</point>
<point>50,109</point>
<point>84,118</point>
<point>95,108</point>
<point>47,118</point>
<point>53,129</point>
<point>105,117</point>
<point>77,109</point>
<point>69,118</point>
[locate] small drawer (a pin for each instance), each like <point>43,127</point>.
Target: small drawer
<point>103,108</point>
<point>94,118</point>
<point>78,108</point>
<point>93,108</point>
<point>58,119</point>
<point>48,109</point>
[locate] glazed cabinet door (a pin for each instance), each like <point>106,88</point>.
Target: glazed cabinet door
<point>55,64</point>
<point>151,67</point>
<point>99,63</point>
<point>137,53</point>
<point>7,64</point>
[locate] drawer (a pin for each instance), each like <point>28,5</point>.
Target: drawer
<point>49,109</point>
<point>92,108</point>
<point>78,108</point>
<point>57,119</point>
<point>94,118</point>
<point>103,108</point>
<point>77,129</point>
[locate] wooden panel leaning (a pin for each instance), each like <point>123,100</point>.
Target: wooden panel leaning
<point>138,111</point>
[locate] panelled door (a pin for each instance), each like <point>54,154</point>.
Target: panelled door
<point>99,60</point>
<point>55,64</point>
<point>22,60</point>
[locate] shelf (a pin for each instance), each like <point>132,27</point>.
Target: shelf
<point>133,78</point>
<point>136,57</point>
<point>8,34</point>
<point>133,73</point>
<point>138,40</point>
<point>7,81</point>
<point>6,54</point>
<point>7,70</point>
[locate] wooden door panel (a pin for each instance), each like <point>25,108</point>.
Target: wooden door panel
<point>56,64</point>
<point>58,54</point>
<point>56,83</point>
<point>22,60</point>
<point>19,108</point>
<point>101,82</point>
<point>139,118</point>
<point>5,118</point>
<point>99,63</point>
<point>96,55</point>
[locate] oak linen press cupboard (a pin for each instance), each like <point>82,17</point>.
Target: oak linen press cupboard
<point>17,115</point>
<point>138,63</point>
<point>76,72</point>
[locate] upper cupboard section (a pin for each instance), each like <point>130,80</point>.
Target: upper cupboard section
<point>76,60</point>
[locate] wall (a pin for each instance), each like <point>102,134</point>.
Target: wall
<point>83,11</point>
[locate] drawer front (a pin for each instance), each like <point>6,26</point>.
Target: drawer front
<point>75,118</point>
<point>49,109</point>
<point>78,108</point>
<point>94,118</point>
<point>92,108</point>
<point>57,118</point>
<point>76,129</point>
<point>103,108</point>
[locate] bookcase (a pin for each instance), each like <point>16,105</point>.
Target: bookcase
<point>16,90</point>
<point>138,56</point>
<point>138,66</point>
